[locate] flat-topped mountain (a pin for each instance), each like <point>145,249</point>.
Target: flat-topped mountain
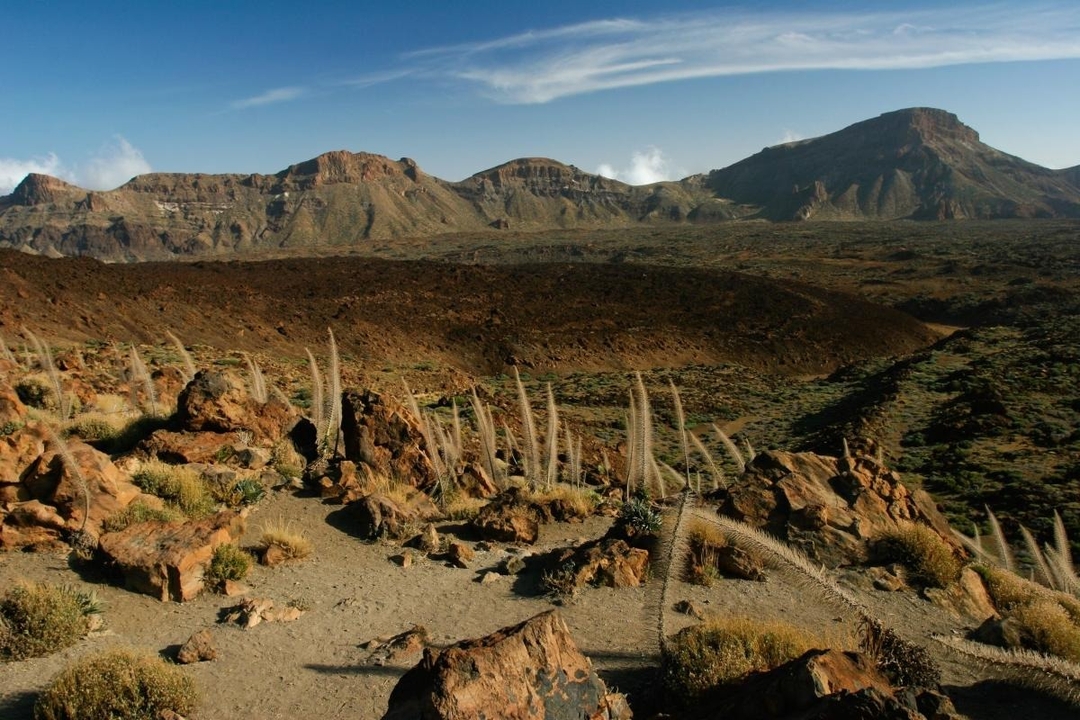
<point>918,163</point>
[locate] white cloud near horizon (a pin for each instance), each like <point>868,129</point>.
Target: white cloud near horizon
<point>275,95</point>
<point>646,167</point>
<point>112,165</point>
<point>543,65</point>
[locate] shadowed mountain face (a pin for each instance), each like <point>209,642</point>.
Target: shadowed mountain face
<point>918,163</point>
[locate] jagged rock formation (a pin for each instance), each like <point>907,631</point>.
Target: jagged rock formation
<point>918,163</point>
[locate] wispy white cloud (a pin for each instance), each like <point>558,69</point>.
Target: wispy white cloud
<point>276,95</point>
<point>12,170</point>
<point>112,165</point>
<point>791,136</point>
<point>377,78</point>
<point>646,167</point>
<point>543,65</point>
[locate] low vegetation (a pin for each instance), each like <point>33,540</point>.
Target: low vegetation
<point>930,560</point>
<point>180,486</point>
<point>38,619</point>
<point>117,685</point>
<point>722,651</point>
<point>704,540</point>
<point>282,537</point>
<point>140,512</point>
<point>228,563</point>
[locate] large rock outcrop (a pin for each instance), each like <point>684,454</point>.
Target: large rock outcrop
<point>530,671</point>
<point>830,508</point>
<point>219,402</point>
<point>384,436</point>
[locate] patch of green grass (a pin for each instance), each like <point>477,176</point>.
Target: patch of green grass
<point>139,512</point>
<point>38,619</point>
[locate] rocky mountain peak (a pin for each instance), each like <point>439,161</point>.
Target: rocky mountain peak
<point>37,189</point>
<point>342,166</point>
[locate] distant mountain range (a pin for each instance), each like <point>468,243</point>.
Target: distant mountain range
<point>919,163</point>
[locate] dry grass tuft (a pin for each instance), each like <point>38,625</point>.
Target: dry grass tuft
<point>139,512</point>
<point>725,650</point>
<point>922,551</point>
<point>704,539</point>
<point>1050,628</point>
<point>581,502</point>
<point>180,487</point>
<point>117,685</point>
<point>281,534</point>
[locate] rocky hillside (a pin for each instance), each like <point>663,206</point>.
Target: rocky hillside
<point>918,163</point>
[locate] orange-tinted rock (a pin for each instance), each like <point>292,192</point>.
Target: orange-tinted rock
<point>168,560</point>
<point>530,671</point>
<point>508,518</point>
<point>218,402</point>
<point>386,437</point>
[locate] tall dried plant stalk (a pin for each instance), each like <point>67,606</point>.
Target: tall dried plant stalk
<point>1047,673</point>
<point>141,375</point>
<point>5,353</point>
<point>318,403</point>
<point>680,422</point>
<point>258,381</point>
<point>733,450</point>
<point>551,463</point>
<point>431,443</point>
<point>1043,574</point>
<point>485,428</point>
<point>188,373</point>
<point>333,414</point>
<point>45,360</point>
<point>1004,552</point>
<point>717,475</point>
<point>531,442</point>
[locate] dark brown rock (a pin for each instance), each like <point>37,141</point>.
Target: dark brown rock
<point>379,516</point>
<point>530,671</point>
<point>508,518</point>
<point>460,554</point>
<point>386,437</point>
<point>609,562</point>
<point>218,402</point>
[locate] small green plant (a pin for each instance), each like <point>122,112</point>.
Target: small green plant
<point>117,685</point>
<point>228,563</point>
<point>247,492</point>
<point>639,518</point>
<point>921,550</point>
<point>38,619</point>
<point>139,512</point>
<point>725,650</point>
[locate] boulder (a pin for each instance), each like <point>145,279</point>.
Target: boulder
<point>405,644</point>
<point>17,450</point>
<point>199,647</point>
<point>380,516</point>
<point>830,508</point>
<point>967,598</point>
<point>31,525</point>
<point>219,402</point>
<point>530,671</point>
<point>12,410</point>
<point>459,554</point>
<point>607,562</point>
<point>386,437</point>
<point>508,518</point>
<point>168,560</point>
<point>94,483</point>
<point>183,448</point>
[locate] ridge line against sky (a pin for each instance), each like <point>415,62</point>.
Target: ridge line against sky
<point>527,76</point>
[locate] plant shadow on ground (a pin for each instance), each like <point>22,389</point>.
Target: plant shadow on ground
<point>18,706</point>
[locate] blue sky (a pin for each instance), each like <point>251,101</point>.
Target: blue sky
<point>98,92</point>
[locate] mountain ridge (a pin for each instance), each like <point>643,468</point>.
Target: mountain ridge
<point>916,163</point>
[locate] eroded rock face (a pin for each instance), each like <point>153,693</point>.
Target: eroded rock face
<point>12,410</point>
<point>168,560</point>
<point>385,437</point>
<point>508,518</point>
<point>218,402</point>
<point>530,671</point>
<point>378,516</point>
<point>828,507</point>
<point>608,562</point>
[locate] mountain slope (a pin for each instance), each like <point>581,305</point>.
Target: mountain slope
<point>918,163</point>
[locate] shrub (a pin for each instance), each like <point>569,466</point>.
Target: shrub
<point>93,427</point>
<point>905,663</point>
<point>704,540</point>
<point>228,563</point>
<point>179,486</point>
<point>139,512</point>
<point>638,517</point>
<point>922,551</point>
<point>1050,628</point>
<point>574,502</point>
<point>724,650</point>
<point>117,685</point>
<point>34,391</point>
<point>280,534</point>
<point>37,619</point>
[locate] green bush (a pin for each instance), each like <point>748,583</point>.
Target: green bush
<point>35,392</point>
<point>117,685</point>
<point>38,619</point>
<point>638,518</point>
<point>921,550</point>
<point>724,650</point>
<point>228,563</point>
